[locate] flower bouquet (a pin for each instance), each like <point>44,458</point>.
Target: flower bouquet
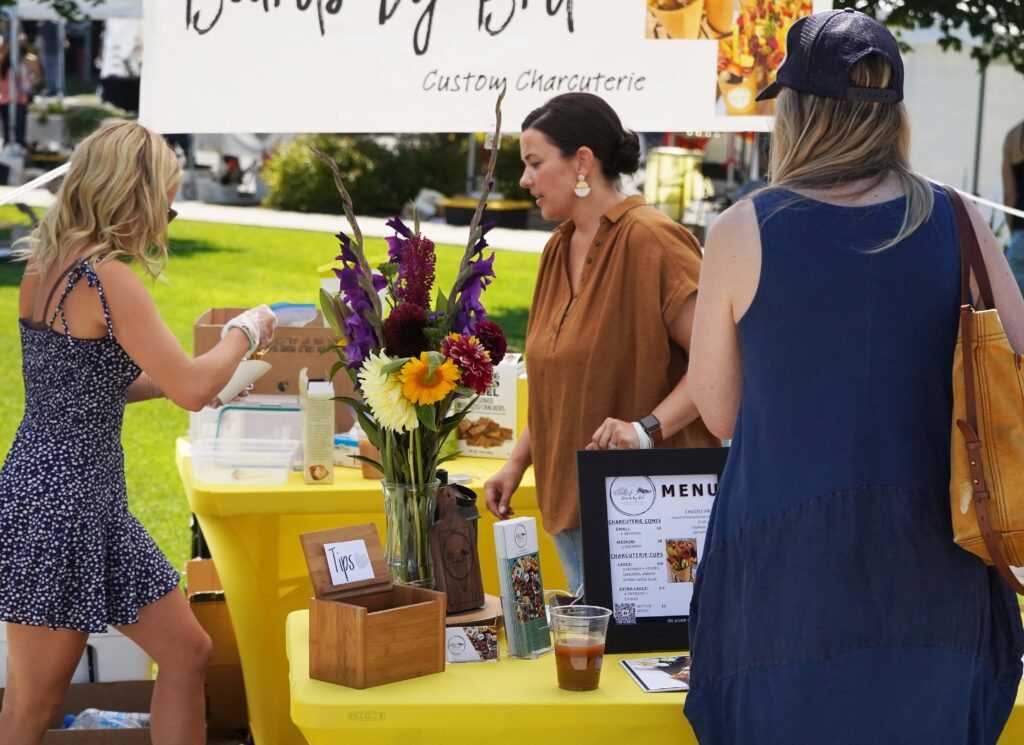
<point>412,359</point>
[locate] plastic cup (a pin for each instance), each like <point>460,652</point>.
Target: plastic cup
<point>739,93</point>
<point>579,632</point>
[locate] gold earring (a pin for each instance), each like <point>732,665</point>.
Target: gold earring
<point>582,187</point>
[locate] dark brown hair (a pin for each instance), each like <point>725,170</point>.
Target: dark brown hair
<point>574,120</point>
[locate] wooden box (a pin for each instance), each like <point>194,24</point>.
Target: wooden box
<point>365,631</point>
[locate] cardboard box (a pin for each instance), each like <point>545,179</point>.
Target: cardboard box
<point>225,689</point>
<point>126,696</point>
<point>492,428</point>
<point>293,348</point>
<point>364,630</point>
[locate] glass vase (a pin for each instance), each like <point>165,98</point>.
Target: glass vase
<point>409,512</point>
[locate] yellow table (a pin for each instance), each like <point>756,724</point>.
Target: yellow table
<point>510,701</point>
<point>253,535</point>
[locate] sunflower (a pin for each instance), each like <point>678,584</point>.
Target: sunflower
<point>421,386</point>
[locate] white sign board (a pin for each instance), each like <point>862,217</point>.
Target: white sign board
<point>437,65</point>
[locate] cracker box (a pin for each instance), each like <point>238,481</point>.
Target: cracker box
<point>491,429</point>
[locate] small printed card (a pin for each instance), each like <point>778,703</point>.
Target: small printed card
<point>348,561</point>
<point>660,674</point>
<point>471,644</point>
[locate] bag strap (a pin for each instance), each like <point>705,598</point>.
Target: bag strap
<point>971,258</point>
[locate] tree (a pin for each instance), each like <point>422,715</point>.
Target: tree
<point>72,10</point>
<point>997,24</point>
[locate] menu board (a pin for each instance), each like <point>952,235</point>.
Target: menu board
<point>645,515</point>
<point>656,529</point>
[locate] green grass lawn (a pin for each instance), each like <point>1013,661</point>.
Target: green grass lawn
<point>225,265</point>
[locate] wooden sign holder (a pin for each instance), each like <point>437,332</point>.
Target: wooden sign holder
<point>453,548</point>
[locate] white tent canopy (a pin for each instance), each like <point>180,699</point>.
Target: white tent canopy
<point>28,10</point>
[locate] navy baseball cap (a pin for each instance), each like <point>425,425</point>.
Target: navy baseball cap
<point>822,48</point>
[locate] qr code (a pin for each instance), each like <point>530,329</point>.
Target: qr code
<point>625,613</point>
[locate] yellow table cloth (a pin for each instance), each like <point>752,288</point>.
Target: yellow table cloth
<point>253,534</point>
<point>510,701</point>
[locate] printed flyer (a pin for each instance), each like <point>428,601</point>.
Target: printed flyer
<point>656,531</point>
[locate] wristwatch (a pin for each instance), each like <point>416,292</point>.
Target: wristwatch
<point>652,427</point>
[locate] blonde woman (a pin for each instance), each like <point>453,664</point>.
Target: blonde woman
<point>831,604</point>
<point>72,558</point>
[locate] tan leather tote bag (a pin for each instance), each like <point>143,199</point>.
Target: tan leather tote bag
<point>986,484</point>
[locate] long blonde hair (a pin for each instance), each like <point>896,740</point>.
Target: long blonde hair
<point>820,143</point>
<point>113,202</point>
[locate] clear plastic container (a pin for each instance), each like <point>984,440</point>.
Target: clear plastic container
<point>238,461</point>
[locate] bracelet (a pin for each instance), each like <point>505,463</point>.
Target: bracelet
<point>646,443</point>
<point>233,324</point>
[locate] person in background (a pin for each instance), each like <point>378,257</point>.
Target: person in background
<point>73,559</point>
<point>609,328</point>
<point>29,75</point>
<point>1013,196</point>
<point>831,604</point>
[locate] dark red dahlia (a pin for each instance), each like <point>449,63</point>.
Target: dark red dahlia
<point>474,362</point>
<point>403,330</point>
<point>493,339</point>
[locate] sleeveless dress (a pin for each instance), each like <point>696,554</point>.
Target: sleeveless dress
<point>832,605</point>
<point>71,554</point>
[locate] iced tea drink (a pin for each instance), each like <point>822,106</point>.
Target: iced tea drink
<point>578,662</point>
<point>579,634</point>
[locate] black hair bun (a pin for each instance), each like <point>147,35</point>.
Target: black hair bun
<point>627,159</point>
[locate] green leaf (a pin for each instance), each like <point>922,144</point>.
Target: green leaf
<point>371,461</point>
<point>434,361</point>
<point>394,366</point>
<point>355,403</point>
<point>327,306</point>
<point>334,369</point>
<point>427,417</point>
<point>441,306</point>
<point>463,391</point>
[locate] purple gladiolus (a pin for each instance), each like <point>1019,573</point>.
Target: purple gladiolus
<point>481,244</point>
<point>471,309</point>
<point>347,254</point>
<point>359,332</point>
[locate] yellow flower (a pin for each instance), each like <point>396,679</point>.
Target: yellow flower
<point>383,394</point>
<point>422,387</point>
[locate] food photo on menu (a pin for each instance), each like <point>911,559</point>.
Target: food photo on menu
<point>750,55</point>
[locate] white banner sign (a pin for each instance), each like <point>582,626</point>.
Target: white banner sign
<point>437,65</point>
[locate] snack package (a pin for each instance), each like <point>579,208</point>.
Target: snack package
<point>491,429</point>
<point>522,589</point>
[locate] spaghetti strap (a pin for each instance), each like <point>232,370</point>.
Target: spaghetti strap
<point>83,269</point>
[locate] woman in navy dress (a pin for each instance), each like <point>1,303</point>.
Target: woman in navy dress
<point>73,559</point>
<point>832,605</point>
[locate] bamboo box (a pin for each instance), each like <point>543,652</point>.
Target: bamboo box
<point>365,631</point>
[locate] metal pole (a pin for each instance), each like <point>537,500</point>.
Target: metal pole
<point>13,81</point>
<point>62,39</point>
<point>471,164</point>
<point>977,132</point>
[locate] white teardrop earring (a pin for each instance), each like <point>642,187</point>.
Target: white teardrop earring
<point>582,187</point>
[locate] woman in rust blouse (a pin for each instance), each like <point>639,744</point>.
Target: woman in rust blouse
<point>609,328</point>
